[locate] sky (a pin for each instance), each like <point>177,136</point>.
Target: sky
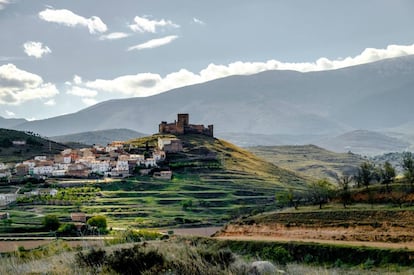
<point>60,56</point>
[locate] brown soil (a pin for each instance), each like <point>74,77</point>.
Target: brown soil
<point>391,229</point>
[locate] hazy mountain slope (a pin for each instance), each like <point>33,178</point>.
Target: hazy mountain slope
<point>272,102</point>
<point>102,137</point>
<point>364,142</point>
<point>35,145</point>
<point>10,122</point>
<point>310,160</point>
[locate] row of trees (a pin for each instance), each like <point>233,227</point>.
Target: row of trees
<point>369,173</point>
<point>322,191</point>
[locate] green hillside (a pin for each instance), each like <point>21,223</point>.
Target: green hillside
<point>35,145</point>
<point>310,160</point>
<point>212,158</point>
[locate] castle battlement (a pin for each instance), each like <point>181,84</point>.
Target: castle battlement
<point>182,126</point>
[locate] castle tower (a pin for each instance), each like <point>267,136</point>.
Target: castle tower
<point>182,123</point>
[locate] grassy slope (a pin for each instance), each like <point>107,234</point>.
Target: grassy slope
<point>309,160</point>
<point>234,162</point>
<point>221,180</point>
<point>41,146</point>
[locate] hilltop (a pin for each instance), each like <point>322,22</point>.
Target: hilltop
<point>310,160</point>
<point>201,153</point>
<point>31,146</point>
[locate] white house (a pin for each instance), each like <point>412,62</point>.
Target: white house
<point>100,166</point>
<point>19,142</point>
<point>7,198</point>
<point>40,158</point>
<point>150,162</point>
<point>59,172</point>
<point>122,165</point>
<point>30,163</point>
<point>43,170</point>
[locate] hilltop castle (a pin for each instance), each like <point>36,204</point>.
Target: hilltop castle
<point>181,126</point>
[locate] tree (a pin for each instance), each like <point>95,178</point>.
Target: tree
<point>344,192</point>
<point>51,222</point>
<point>67,229</point>
<point>321,192</point>
<point>365,173</point>
<point>408,167</point>
<point>289,198</point>
<point>387,174</point>
<point>99,221</point>
<point>186,204</point>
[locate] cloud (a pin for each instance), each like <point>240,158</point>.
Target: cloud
<point>70,19</point>
<point>10,113</point>
<point>18,86</point>
<point>50,102</point>
<point>89,101</point>
<point>35,49</point>
<point>3,4</point>
<point>146,84</point>
<point>114,36</point>
<point>154,43</point>
<point>143,24</point>
<point>82,92</point>
<point>198,21</point>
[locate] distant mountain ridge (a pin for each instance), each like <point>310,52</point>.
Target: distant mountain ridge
<point>364,142</point>
<point>101,137</point>
<point>372,96</point>
<point>8,123</point>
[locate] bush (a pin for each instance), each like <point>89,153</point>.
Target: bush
<point>276,254</point>
<point>135,261</point>
<point>222,258</point>
<point>51,222</point>
<point>99,221</point>
<point>92,258</point>
<point>67,229</point>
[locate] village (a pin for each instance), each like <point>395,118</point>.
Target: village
<point>115,160</point>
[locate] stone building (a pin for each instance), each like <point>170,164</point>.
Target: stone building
<point>182,126</point>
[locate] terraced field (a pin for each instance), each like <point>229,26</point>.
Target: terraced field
<point>213,182</point>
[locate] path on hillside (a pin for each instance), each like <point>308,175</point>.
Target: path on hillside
<point>407,245</point>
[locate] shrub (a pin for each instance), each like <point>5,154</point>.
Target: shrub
<point>276,254</point>
<point>67,229</point>
<point>135,261</point>
<point>92,258</point>
<point>99,221</point>
<point>51,222</point>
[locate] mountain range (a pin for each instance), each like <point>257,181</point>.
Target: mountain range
<point>303,106</point>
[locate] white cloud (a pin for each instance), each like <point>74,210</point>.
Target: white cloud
<point>77,80</point>
<point>114,36</point>
<point>3,4</point>
<point>35,49</point>
<point>50,102</point>
<point>82,92</point>
<point>89,101</point>
<point>10,113</point>
<point>154,43</point>
<point>18,86</point>
<point>198,21</point>
<point>68,18</point>
<point>146,84</point>
<point>143,24</point>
